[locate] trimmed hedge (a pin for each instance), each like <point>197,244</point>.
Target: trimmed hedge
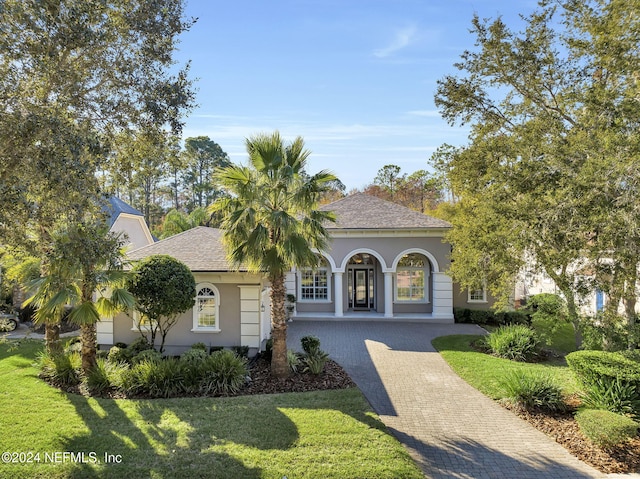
<point>592,367</point>
<point>605,428</point>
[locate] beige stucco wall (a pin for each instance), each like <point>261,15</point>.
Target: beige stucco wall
<point>180,337</point>
<point>461,296</point>
<point>136,230</point>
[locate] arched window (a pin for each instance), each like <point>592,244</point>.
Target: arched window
<point>412,279</point>
<point>206,309</point>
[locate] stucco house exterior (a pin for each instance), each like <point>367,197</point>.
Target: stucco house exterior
<point>384,262</point>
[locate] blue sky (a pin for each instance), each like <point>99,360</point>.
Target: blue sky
<point>354,78</point>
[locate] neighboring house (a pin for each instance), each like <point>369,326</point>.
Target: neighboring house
<point>129,221</point>
<point>383,261</point>
<point>530,284</point>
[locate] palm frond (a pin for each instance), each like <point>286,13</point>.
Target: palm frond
<point>84,314</point>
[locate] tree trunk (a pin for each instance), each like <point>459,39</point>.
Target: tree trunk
<point>279,364</point>
<point>52,338</point>
<point>88,351</point>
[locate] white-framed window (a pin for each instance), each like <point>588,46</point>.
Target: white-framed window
<point>412,279</point>
<point>140,323</point>
<point>206,310</point>
<point>314,284</point>
<point>477,295</point>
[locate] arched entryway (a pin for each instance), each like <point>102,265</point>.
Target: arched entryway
<point>362,281</point>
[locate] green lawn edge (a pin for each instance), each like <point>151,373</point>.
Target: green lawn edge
<point>323,434</point>
<point>485,372</point>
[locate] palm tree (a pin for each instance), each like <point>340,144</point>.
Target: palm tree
<point>271,222</point>
<point>84,275</point>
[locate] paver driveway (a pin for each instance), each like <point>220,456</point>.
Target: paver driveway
<point>449,428</point>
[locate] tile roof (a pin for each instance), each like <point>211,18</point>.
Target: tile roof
<point>200,248</point>
<point>362,211</point>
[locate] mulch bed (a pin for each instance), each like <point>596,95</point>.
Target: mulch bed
<point>333,377</point>
<point>564,429</point>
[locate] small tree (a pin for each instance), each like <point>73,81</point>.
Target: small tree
<point>164,288</point>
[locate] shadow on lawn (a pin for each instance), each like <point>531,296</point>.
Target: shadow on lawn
<point>196,437</point>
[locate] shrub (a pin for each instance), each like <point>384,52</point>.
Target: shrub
<point>138,345</point>
<point>293,360</point>
<point>242,351</point>
<point>480,316</point>
<point>223,373</point>
<point>314,363</point>
<point>516,342</point>
<point>268,350</point>
<point>605,428</point>
<point>591,366</point>
<point>73,346</point>
<point>314,358</point>
<point>533,391</point>
<point>310,344</point>
<point>194,355</point>
<point>612,395</point>
<point>154,378</point>
<point>61,369</point>
<point>461,315</point>
<point>104,376</point>
<point>200,346</point>
<point>119,355</point>
<point>147,355</point>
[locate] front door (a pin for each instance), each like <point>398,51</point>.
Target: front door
<point>361,290</point>
<point>361,286</point>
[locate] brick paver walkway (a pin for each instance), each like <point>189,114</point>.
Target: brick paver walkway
<point>449,428</point>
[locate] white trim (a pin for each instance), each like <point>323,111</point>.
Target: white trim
<point>328,275</point>
<point>477,301</point>
<point>435,267</point>
<point>356,251</point>
<point>216,295</point>
<point>380,233</point>
<point>326,256</point>
<point>425,299</point>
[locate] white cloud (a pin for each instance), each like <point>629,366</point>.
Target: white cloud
<point>403,38</point>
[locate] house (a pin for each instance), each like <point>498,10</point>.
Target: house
<point>125,219</point>
<point>384,261</point>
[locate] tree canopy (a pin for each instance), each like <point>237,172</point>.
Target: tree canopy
<point>73,74</point>
<point>271,222</point>
<point>163,288</point>
<point>552,164</point>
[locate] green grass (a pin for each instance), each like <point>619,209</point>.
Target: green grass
<point>328,434</point>
<point>485,372</point>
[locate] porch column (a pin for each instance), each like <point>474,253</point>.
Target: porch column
<point>338,296</point>
<point>442,297</point>
<point>388,294</point>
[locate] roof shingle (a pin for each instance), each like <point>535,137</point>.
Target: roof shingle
<point>362,211</point>
<point>200,248</point>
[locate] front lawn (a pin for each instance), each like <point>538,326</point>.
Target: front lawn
<point>317,434</point>
<point>484,372</point>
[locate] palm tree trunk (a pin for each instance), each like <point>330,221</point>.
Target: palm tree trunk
<point>52,337</point>
<point>88,351</point>
<point>279,365</point>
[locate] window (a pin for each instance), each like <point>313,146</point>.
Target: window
<point>314,283</point>
<point>478,295</point>
<point>206,309</point>
<point>140,322</point>
<point>412,279</point>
